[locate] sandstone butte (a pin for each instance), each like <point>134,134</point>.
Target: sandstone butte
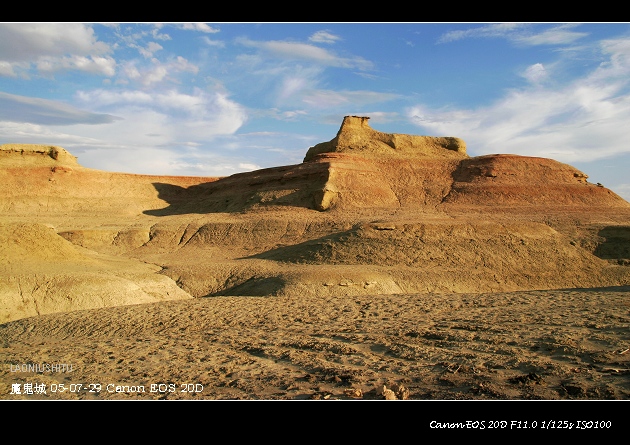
<point>365,213</point>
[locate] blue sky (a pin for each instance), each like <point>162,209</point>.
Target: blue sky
<point>213,99</point>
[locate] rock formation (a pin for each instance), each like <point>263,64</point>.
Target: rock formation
<point>365,213</point>
<point>33,154</point>
<point>356,136</point>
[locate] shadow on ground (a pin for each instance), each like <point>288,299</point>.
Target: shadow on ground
<point>615,244</point>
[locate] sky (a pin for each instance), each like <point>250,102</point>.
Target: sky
<point>214,99</point>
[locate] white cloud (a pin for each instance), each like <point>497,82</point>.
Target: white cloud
<point>155,33</point>
<point>29,133</point>
<point>52,47</point>
<point>101,65</point>
<point>581,122</point>
<point>156,72</point>
<point>209,42</point>
<point>324,37</point>
<point>292,85</point>
<point>14,108</point>
<point>519,33</point>
<point>154,75</point>
<point>130,70</point>
<point>248,166</point>
<point>304,51</point>
<point>332,99</point>
<point>203,27</point>
<point>161,130</point>
<point>105,98</point>
<point>193,117</point>
<point>299,86</point>
<point>150,50</point>
<point>21,42</point>
<point>559,35</point>
<point>183,65</point>
<point>619,64</point>
<point>292,114</point>
<point>174,100</point>
<point>6,69</point>
<point>535,73</point>
<point>492,30</point>
<point>93,64</point>
<point>163,161</point>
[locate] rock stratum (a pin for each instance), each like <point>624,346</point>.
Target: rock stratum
<point>365,213</point>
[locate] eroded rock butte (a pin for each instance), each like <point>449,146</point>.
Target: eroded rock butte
<point>365,213</point>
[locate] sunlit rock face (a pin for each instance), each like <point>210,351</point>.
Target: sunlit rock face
<point>357,137</point>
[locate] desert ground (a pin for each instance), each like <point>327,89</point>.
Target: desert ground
<point>383,267</point>
<point>528,345</point>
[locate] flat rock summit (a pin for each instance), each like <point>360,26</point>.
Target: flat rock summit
<point>365,213</point>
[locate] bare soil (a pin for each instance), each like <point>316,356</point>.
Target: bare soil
<point>568,344</point>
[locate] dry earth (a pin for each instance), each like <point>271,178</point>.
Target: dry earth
<point>528,345</point>
<point>384,266</point>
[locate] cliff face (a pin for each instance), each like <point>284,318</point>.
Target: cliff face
<point>369,169</point>
<point>359,169</point>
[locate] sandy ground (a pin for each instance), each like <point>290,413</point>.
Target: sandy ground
<point>530,345</point>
